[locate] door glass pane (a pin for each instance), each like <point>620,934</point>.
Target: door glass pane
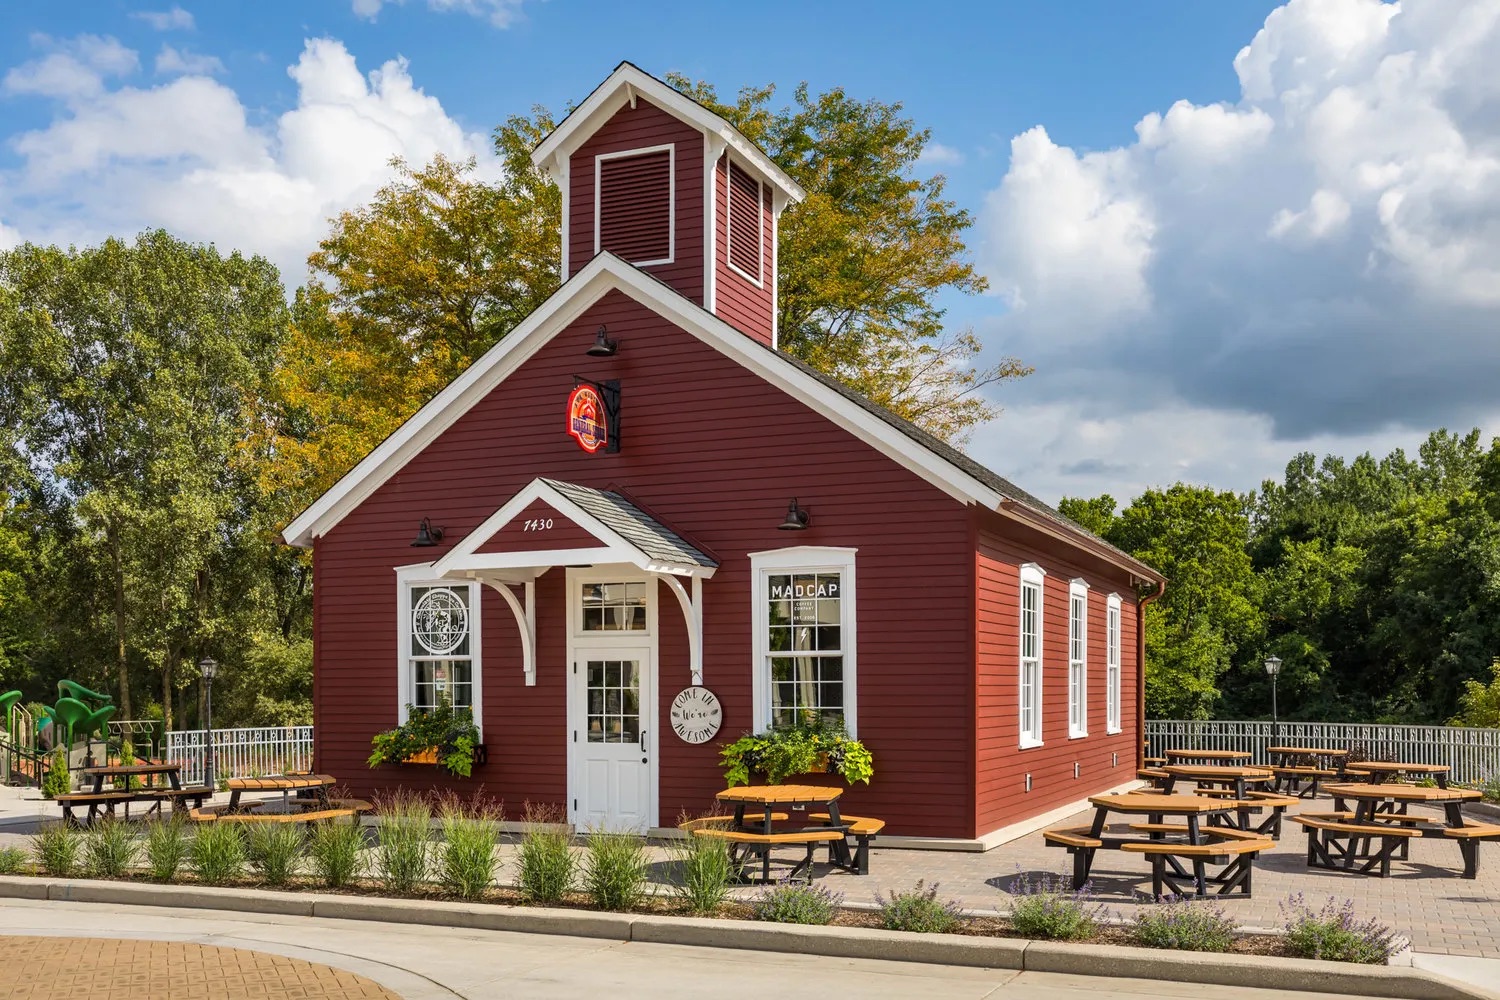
<point>614,710</point>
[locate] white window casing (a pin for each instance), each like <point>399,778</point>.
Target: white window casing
<point>1029,672</point>
<point>419,578</point>
<point>1078,659</point>
<point>1112,664</point>
<point>805,561</point>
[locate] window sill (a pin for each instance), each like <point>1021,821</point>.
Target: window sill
<point>1031,744</point>
<point>1113,732</point>
<point>1077,736</point>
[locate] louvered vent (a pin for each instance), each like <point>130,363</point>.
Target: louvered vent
<point>635,207</point>
<point>745,243</point>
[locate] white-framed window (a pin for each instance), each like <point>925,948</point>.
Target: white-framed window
<point>1112,664</point>
<point>803,617</point>
<point>1030,703</point>
<point>437,643</point>
<point>635,204</point>
<point>606,606</point>
<point>744,229</point>
<point>1078,659</point>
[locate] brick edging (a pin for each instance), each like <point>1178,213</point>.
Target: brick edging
<point>835,942</point>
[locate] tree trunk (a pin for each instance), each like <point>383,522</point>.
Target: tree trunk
<point>113,538</point>
<point>168,670</point>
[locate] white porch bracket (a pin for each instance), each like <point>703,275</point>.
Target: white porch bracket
<point>692,613</point>
<point>525,615</point>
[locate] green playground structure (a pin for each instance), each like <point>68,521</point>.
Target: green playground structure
<point>76,691</point>
<point>81,715</point>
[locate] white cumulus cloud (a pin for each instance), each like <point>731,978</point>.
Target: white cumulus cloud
<point>170,60</point>
<point>186,155</point>
<point>937,155</point>
<point>175,19</point>
<point>500,13</point>
<point>1318,260</point>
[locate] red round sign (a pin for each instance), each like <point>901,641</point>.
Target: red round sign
<point>587,423</point>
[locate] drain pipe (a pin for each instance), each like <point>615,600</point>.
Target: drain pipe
<point>1140,671</point>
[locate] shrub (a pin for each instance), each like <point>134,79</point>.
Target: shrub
<point>1184,925</point>
<point>796,903</point>
<point>1491,788</point>
<point>615,873</point>
<point>56,847</point>
<point>57,780</point>
<point>217,853</point>
<point>547,868</point>
<point>110,848</point>
<point>275,850</point>
<point>11,860</point>
<point>1335,934</point>
<point>1047,908</point>
<point>918,910</point>
<point>404,832</point>
<point>166,849</point>
<point>333,849</point>
<point>127,757</point>
<point>705,872</point>
<point>466,861</point>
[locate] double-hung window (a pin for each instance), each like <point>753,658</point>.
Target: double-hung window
<point>1078,659</point>
<point>1030,704</point>
<point>438,645</point>
<point>804,644</point>
<point>1112,664</point>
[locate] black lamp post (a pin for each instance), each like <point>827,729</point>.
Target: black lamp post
<point>1273,667</point>
<point>208,667</point>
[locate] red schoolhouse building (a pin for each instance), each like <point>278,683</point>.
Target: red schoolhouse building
<point>635,494</point>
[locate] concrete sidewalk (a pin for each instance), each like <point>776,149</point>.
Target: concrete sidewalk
<point>431,963</point>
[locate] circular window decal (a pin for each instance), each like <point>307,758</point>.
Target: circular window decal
<point>440,621</point>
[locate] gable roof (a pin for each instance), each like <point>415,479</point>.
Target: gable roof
<point>908,445</point>
<point>634,525</point>
<point>621,87</point>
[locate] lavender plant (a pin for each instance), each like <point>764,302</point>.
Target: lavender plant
<point>1047,908</point>
<point>919,910</point>
<point>1335,934</point>
<point>1183,924</point>
<point>789,902</point>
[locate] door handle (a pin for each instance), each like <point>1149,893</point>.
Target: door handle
<point>643,741</point>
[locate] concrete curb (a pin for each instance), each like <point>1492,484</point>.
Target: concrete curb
<point>834,942</point>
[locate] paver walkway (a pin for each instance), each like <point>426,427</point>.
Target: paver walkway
<point>73,968</point>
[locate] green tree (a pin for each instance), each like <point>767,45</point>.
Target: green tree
<point>1096,514</point>
<point>1479,705</point>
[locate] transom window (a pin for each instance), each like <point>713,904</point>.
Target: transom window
<point>439,646</point>
<point>1112,664</point>
<point>804,621</point>
<point>614,607</point>
<point>1030,669</point>
<point>1078,669</point>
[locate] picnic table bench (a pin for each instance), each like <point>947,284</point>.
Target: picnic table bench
<point>1343,840</point>
<point>119,775</point>
<point>1378,771</point>
<point>752,828</point>
<point>253,813</point>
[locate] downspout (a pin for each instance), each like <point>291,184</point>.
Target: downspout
<point>1140,673</point>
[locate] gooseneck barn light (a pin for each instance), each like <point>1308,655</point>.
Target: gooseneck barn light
<point>427,535</point>
<point>602,347</point>
<point>797,519</point>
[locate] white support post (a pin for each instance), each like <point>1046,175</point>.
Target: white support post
<point>692,614</point>
<point>525,621</point>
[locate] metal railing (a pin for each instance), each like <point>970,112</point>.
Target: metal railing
<point>241,753</point>
<point>1473,754</point>
<point>19,760</point>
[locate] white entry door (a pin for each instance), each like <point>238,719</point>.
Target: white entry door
<point>613,695</point>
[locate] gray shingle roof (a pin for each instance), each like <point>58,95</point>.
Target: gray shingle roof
<point>640,529</point>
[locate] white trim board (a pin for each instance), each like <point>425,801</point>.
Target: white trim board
<point>603,274</point>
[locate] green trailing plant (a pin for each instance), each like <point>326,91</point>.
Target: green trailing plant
<point>790,902</point>
<point>12,860</point>
<point>615,874</point>
<point>166,848</point>
<point>1335,934</point>
<point>705,873</point>
<point>779,753</point>
<point>1047,908</point>
<point>450,733</point>
<point>919,910</point>
<point>57,781</point>
<point>1183,924</point>
<point>1491,788</point>
<point>56,847</point>
<point>217,853</point>
<point>546,865</point>
<point>466,860</point>
<point>110,848</point>
<point>403,830</point>
<point>275,850</point>
<point>333,849</point>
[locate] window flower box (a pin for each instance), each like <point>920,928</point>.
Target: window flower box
<point>782,753</point>
<point>442,737</point>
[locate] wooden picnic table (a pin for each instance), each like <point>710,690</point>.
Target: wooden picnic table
<point>1380,813</point>
<point>1381,771</point>
<point>318,784</point>
<point>120,774</point>
<point>1235,784</point>
<point>755,809</point>
<point>1186,754</point>
<point>109,772</point>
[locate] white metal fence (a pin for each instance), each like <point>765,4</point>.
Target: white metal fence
<point>241,753</point>
<point>1473,754</point>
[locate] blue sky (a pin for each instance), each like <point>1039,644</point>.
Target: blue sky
<point>1216,229</point>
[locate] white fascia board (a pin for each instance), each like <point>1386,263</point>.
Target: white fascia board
<point>615,92</point>
<point>605,273</point>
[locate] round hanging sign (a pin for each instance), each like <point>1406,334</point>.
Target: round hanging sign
<point>696,715</point>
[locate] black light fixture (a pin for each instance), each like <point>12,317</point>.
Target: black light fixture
<point>603,347</point>
<point>796,518</point>
<point>427,535</point>
<point>1273,667</point>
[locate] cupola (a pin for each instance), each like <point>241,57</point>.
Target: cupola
<point>656,179</point>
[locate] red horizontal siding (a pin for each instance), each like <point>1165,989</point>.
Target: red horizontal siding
<point>715,452</point>
<point>539,527</point>
<point>1001,766</point>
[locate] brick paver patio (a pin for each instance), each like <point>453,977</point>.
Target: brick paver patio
<point>61,968</point>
